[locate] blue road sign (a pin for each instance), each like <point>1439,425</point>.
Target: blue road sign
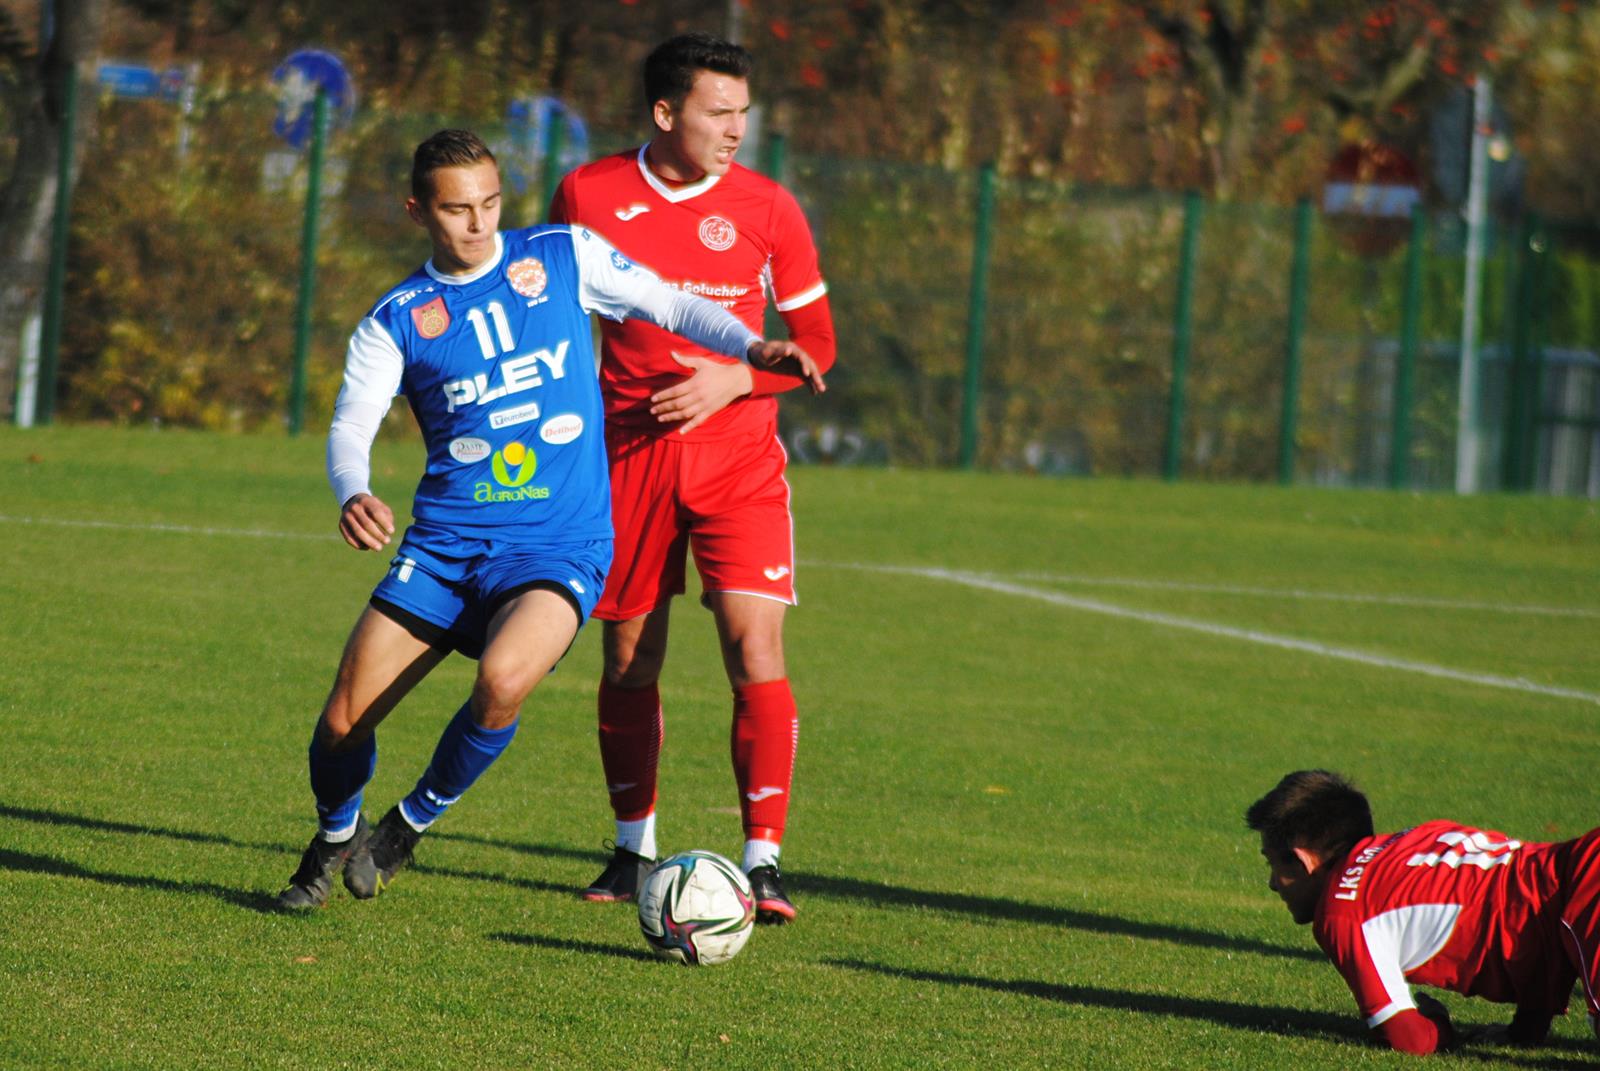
<point>528,129</point>
<point>297,81</point>
<point>134,81</point>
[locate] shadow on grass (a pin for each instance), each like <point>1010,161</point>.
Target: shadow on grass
<point>561,944</point>
<point>995,907</point>
<point>881,894</point>
<point>530,884</point>
<point>544,851</point>
<point>44,864</point>
<point>1257,1018</point>
<point>857,889</point>
<point>255,901</point>
<point>56,818</point>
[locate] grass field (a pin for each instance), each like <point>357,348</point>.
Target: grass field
<point>1033,712</point>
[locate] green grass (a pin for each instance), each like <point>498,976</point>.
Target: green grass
<point>1016,839</point>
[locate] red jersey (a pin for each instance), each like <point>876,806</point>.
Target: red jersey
<point>732,238</point>
<point>1449,906</point>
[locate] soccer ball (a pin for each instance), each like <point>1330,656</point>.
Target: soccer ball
<point>696,908</point>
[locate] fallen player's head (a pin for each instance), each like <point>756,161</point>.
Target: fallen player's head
<point>1310,820</point>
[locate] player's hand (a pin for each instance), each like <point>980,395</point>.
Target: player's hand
<point>366,522</point>
<point>788,358</point>
<point>713,387</point>
<point>1440,1016</point>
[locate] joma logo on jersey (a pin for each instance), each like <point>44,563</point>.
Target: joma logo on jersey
<point>517,374</point>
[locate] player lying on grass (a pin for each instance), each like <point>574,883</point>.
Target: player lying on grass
<point>490,344</point>
<point>1440,904</point>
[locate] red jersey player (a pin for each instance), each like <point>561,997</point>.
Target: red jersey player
<point>1440,904</point>
<point>696,464</point>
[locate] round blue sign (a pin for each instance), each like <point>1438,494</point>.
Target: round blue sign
<point>297,81</point>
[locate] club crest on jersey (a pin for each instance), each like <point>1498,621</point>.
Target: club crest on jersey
<point>717,233</point>
<point>432,319</point>
<point>527,277</point>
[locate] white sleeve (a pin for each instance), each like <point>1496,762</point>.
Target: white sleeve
<point>615,287</point>
<point>372,370</point>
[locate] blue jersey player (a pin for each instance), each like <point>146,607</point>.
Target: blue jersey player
<point>490,344</point>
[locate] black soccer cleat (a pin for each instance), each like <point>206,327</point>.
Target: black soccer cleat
<point>622,878</point>
<point>311,884</point>
<point>386,853</point>
<point>772,903</point>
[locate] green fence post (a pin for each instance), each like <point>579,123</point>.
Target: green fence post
<point>1299,283</point>
<point>555,143</point>
<point>1405,369</point>
<point>1538,333</point>
<point>977,308</point>
<point>774,155</point>
<point>1182,324</point>
<point>308,266</point>
<point>1514,468</point>
<point>44,406</point>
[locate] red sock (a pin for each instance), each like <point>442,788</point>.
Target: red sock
<point>630,746</point>
<point>766,729</point>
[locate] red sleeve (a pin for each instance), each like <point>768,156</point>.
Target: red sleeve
<point>811,328</point>
<point>1411,1031</point>
<point>796,276</point>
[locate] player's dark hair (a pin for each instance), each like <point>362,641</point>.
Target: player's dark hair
<point>1312,809</point>
<point>669,70</point>
<point>447,148</point>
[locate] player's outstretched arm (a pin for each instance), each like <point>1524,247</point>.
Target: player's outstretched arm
<point>788,358</point>
<point>713,384</point>
<point>366,522</point>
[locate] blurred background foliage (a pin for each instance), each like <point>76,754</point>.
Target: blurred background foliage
<point>1098,114</point>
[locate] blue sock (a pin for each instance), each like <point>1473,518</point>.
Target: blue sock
<point>337,779</point>
<point>465,750</point>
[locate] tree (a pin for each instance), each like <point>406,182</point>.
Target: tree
<point>35,78</point>
<point>1365,65</point>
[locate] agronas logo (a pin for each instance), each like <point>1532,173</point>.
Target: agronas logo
<point>513,466</point>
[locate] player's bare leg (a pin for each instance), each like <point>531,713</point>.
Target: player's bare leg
<point>630,747</point>
<point>525,639</point>
<point>381,663</point>
<point>764,736</point>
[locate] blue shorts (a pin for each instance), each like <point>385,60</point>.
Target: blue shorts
<point>447,587</point>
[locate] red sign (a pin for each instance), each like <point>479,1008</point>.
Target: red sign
<point>1368,196</point>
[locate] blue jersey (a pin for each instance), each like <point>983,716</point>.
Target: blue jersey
<point>500,374</point>
<point>499,368</point>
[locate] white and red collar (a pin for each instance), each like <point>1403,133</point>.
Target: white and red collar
<point>674,194</point>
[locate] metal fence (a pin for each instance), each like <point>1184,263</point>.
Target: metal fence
<point>1012,324</point>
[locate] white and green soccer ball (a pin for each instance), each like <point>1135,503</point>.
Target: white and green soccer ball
<point>696,908</point>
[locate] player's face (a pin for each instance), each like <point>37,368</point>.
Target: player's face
<point>460,216</point>
<point>1297,885</point>
<point>700,137</point>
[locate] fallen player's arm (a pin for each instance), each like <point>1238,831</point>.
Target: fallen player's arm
<point>1425,1029</point>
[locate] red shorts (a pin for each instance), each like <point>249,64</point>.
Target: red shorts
<point>725,500</point>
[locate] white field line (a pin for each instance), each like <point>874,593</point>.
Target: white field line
<point>180,529</point>
<point>1289,643</point>
<point>975,580</point>
<point>1299,593</point>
